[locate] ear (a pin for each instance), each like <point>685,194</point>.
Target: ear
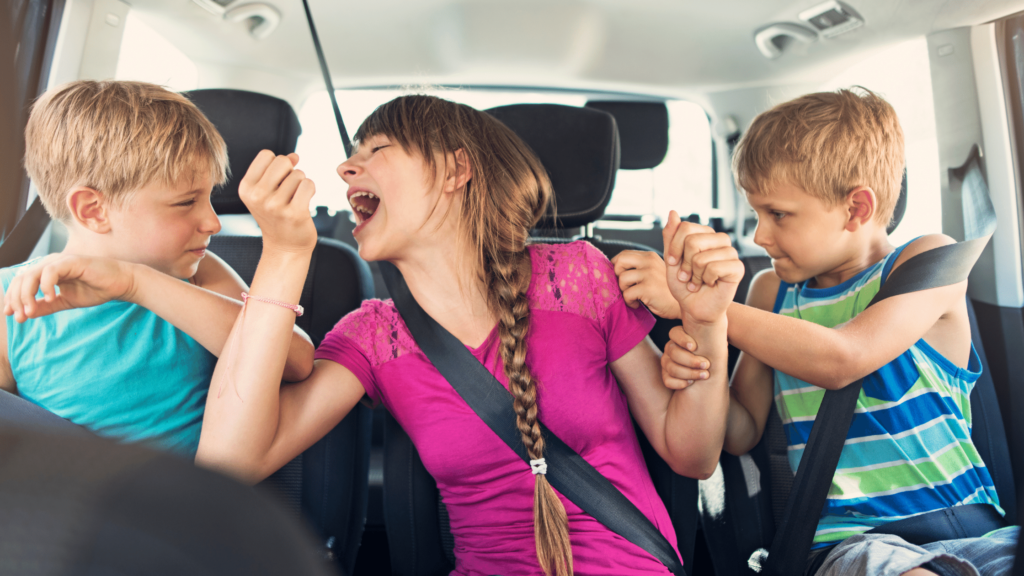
<point>90,209</point>
<point>460,172</point>
<point>861,205</point>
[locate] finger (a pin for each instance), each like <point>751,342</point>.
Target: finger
<point>294,158</point>
<point>630,277</point>
<point>725,271</point>
<point>675,383</point>
<point>700,261</point>
<point>679,372</point>
<point>694,239</point>
<point>11,297</point>
<point>304,195</point>
<point>256,169</point>
<point>679,356</point>
<point>48,283</point>
<point>626,260</point>
<point>29,289</point>
<point>633,295</point>
<point>288,187</point>
<point>667,234</point>
<point>275,175</point>
<point>682,339</point>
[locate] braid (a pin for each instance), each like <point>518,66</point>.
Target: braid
<point>508,278</point>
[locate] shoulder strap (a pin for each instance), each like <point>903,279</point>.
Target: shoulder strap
<point>935,268</point>
<point>567,471</point>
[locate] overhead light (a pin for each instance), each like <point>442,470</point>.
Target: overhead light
<point>832,18</point>
<point>263,18</point>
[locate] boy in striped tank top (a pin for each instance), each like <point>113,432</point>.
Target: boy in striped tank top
<point>823,173</point>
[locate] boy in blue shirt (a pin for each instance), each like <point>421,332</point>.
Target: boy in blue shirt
<point>823,174</point>
<point>120,332</point>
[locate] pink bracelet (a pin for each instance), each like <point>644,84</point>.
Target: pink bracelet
<point>297,308</point>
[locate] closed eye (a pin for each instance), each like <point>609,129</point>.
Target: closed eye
<point>376,148</point>
<point>186,202</point>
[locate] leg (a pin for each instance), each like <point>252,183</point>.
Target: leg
<point>887,555</point>
<point>991,556</point>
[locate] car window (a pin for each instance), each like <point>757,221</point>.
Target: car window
<point>681,182</point>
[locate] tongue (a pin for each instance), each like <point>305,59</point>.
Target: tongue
<point>366,203</point>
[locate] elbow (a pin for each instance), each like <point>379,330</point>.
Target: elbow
<point>249,471</point>
<point>299,365</point>
<point>842,369</point>
<point>699,466</point>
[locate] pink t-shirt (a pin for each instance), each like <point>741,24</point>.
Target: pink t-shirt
<point>579,324</point>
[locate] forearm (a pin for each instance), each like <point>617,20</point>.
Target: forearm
<point>242,408</point>
<point>741,433</point>
<point>696,418</point>
<point>208,317</point>
<point>813,353</point>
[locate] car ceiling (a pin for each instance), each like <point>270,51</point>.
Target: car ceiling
<point>651,46</point>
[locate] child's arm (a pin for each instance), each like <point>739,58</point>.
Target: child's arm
<point>252,425</point>
<point>685,419</point>
<point>205,315</point>
<point>835,357</point>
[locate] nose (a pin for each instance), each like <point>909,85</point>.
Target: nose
<point>209,222</point>
<point>762,237</point>
<point>349,169</point>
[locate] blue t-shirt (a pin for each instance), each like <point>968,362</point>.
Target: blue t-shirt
<point>117,369</point>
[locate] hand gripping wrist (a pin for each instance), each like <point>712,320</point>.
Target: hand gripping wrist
<point>297,308</point>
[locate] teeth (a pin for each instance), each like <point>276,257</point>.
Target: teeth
<point>363,193</point>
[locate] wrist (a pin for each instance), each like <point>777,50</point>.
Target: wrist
<point>135,275</point>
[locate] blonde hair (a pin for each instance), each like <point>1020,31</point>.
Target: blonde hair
<point>827,143</point>
<point>117,137</point>
<point>506,196</point>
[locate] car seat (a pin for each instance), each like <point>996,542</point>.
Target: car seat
<point>328,482</point>
<point>579,147</point>
<point>741,504</point>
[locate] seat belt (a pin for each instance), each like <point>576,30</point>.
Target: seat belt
<point>18,245</point>
<point>934,268</point>
<point>567,471</point>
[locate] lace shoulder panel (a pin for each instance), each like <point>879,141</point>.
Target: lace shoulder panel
<point>378,329</point>
<point>574,277</point>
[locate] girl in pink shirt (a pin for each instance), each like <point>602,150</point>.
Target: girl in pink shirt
<point>448,194</point>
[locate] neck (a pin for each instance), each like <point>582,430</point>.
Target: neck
<point>85,243</point>
<point>447,284</point>
<point>865,255</point>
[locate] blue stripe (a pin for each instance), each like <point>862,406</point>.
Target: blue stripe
<point>780,296</point>
<point>904,416</point>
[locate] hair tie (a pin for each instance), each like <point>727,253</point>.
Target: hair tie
<point>539,466</point>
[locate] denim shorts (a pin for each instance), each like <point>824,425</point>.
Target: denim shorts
<point>888,555</point>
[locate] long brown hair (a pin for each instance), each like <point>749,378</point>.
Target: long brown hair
<point>506,196</point>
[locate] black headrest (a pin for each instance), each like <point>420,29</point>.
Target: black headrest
<point>643,131</point>
<point>579,147</point>
<point>248,122</point>
<point>901,206</point>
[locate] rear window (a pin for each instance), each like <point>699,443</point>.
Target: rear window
<point>682,180</point>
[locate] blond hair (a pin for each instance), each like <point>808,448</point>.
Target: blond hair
<point>828,144</point>
<point>117,137</point>
<point>506,196</point>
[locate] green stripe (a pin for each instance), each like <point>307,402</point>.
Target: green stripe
<point>867,483</point>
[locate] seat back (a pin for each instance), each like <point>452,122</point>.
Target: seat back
<point>327,483</point>
<point>579,147</point>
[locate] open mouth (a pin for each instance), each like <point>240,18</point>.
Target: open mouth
<point>364,205</point>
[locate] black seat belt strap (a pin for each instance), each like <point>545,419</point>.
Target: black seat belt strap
<point>567,471</point>
<point>18,245</point>
<point>934,268</point>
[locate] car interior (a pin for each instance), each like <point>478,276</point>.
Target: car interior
<point>634,109</point>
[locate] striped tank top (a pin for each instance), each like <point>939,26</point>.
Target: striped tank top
<point>909,448</point>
